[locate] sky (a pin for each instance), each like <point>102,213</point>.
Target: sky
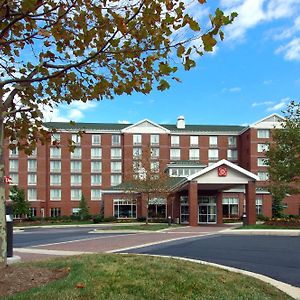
<point>254,73</point>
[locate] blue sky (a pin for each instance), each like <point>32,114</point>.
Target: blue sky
<point>255,72</point>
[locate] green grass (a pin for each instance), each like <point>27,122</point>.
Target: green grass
<point>52,223</point>
<point>264,226</point>
<point>150,227</point>
<point>129,277</point>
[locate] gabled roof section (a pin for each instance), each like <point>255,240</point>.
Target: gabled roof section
<point>269,122</point>
<point>145,126</point>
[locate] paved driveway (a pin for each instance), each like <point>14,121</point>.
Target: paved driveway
<point>275,256</point>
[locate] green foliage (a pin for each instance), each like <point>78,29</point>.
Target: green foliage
<point>83,209</point>
<point>20,204</point>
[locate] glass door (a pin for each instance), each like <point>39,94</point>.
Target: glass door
<point>207,210</point>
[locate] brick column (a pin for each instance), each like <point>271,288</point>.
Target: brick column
<point>219,208</point>
<point>193,203</point>
<point>143,203</point>
<point>250,203</point>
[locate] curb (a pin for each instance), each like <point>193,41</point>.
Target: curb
<point>290,290</point>
<point>272,232</point>
<point>14,259</point>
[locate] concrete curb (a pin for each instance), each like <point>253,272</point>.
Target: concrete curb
<point>51,252</point>
<point>275,232</point>
<point>13,260</point>
<point>290,290</point>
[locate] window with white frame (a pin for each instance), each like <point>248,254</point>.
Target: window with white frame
<point>31,178</point>
<point>174,140</point>
<point>55,212</point>
<point>96,194</point>
<point>13,152</point>
<point>154,152</point>
<point>230,207</point>
<point>76,194</point>
<point>116,153</point>
<point>76,153</point>
<point>32,212</point>
<point>137,152</point>
<point>55,166</point>
<point>213,154</point>
<point>259,205</point>
<point>154,166</point>
<point>96,179</point>
<point>76,180</point>
<point>154,139</point>
<point>232,141</point>
<point>33,153</point>
<point>55,194</point>
<point>31,194</point>
<point>96,153</point>
<point>262,147</point>
<point>96,166</point>
<point>75,211</point>
<point>194,141</point>
<point>55,179</point>
<point>13,165</point>
<point>262,162</point>
<point>137,139</point>
<point>124,209</point>
<point>96,139</point>
<point>75,166</point>
<point>116,166</point>
<point>232,154</point>
<point>115,179</point>
<point>14,178</point>
<point>157,208</point>
<point>116,140</point>
<point>263,133</point>
<point>175,154</point>
<point>31,165</point>
<point>263,175</point>
<point>213,141</point>
<point>55,138</point>
<point>194,154</point>
<point>55,152</point>
<point>76,138</point>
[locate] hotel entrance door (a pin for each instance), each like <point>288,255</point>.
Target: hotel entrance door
<point>207,210</point>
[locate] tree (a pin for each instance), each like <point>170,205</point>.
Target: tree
<point>284,158</point>
<point>19,203</point>
<point>80,50</point>
<point>83,209</point>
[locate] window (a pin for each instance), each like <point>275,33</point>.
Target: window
<point>96,166</point>
<point>76,139</point>
<point>213,141</point>
<point>116,166</point>
<point>116,140</point>
<point>175,140</point>
<point>232,154</point>
<point>31,179</point>
<point>262,162</point>
<point>213,154</point>
<point>230,207</point>
<point>33,153</point>
<point>55,195</point>
<point>96,194</point>
<point>75,194</point>
<point>194,141</point>
<point>175,154</point>
<point>154,166</point>
<point>262,147</point>
<point>75,166</point>
<point>263,133</point>
<point>137,139</point>
<point>96,139</point>
<point>194,154</point>
<point>75,211</point>
<point>76,153</point>
<point>124,209</point>
<point>13,152</point>
<point>157,208</point>
<point>96,153</point>
<point>55,179</point>
<point>154,152</point>
<point>116,153</point>
<point>75,180</point>
<point>31,165</point>
<point>115,179</point>
<point>55,212</point>
<point>13,165</point>
<point>137,153</point>
<point>32,212</point>
<point>232,141</point>
<point>31,194</point>
<point>259,205</point>
<point>96,179</point>
<point>55,152</point>
<point>184,210</point>
<point>55,138</point>
<point>55,166</point>
<point>154,139</point>
<point>263,175</point>
<point>14,178</point>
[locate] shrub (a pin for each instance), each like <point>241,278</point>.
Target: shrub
<point>98,219</point>
<point>261,217</point>
<point>110,219</point>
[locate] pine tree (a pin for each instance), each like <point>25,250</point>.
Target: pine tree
<point>83,209</point>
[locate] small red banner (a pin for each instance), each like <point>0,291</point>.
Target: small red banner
<point>222,171</point>
<point>7,179</point>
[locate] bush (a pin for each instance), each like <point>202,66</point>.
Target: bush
<point>261,217</point>
<point>110,219</point>
<point>141,219</point>
<point>98,219</point>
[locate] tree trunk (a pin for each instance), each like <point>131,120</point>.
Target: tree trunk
<point>147,213</point>
<point>3,242</point>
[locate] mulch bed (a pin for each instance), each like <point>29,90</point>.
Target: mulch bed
<point>289,223</point>
<point>14,279</point>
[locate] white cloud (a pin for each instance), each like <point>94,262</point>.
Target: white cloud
<point>273,105</point>
<point>235,89</point>
<point>123,122</point>
<point>291,50</point>
<point>262,103</point>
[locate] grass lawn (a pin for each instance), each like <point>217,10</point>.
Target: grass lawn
<point>265,226</point>
<point>129,277</point>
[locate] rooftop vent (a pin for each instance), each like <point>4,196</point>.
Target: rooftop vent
<point>180,122</point>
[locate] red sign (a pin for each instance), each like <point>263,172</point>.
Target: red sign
<point>222,171</point>
<point>7,179</point>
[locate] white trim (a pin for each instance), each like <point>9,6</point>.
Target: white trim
<point>128,129</point>
<point>268,125</point>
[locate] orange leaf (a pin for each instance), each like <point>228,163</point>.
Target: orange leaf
<point>80,285</point>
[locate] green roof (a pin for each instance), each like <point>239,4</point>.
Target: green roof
<point>218,128</point>
<point>186,163</point>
